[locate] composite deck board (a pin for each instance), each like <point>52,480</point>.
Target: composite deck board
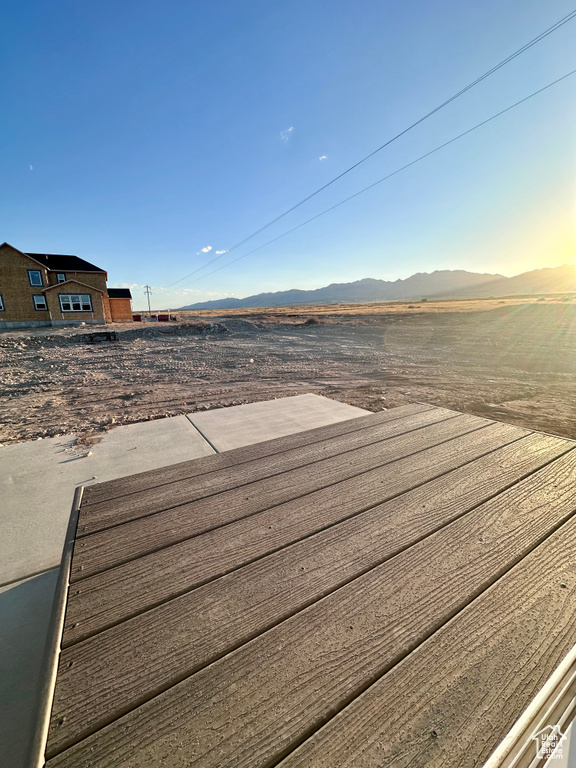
<point>456,697</point>
<point>102,515</point>
<point>106,598</point>
<point>102,550</point>
<point>113,489</point>
<point>287,682</point>
<point>211,621</point>
<point>390,590</point>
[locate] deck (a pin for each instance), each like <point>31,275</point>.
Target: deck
<point>397,589</point>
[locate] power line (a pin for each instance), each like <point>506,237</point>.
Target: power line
<point>534,41</point>
<point>388,176</point>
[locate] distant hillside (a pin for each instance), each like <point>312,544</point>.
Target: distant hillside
<point>439,283</point>
<point>547,280</point>
<point>436,285</point>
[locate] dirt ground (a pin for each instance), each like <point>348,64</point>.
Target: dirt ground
<point>511,360</point>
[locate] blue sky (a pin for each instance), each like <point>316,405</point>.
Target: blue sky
<point>136,134</point>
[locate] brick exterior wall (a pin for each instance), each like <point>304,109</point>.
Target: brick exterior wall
<point>17,293</point>
<point>121,310</point>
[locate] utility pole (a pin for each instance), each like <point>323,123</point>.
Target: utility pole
<point>148,291</point>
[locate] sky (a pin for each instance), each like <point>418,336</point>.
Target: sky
<point>149,136</point>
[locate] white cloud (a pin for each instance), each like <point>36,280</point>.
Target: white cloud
<point>195,291</point>
<point>219,252</point>
<point>31,167</point>
<point>285,134</point>
<point>323,157</point>
<point>207,249</point>
<point>127,285</point>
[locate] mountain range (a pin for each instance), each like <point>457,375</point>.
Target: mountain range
<point>441,284</point>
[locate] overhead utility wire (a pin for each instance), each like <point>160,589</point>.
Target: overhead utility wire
<point>495,68</point>
<point>398,170</point>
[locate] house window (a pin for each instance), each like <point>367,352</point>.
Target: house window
<point>1,303</point>
<point>61,277</point>
<point>75,302</point>
<point>39,301</point>
<point>35,277</point>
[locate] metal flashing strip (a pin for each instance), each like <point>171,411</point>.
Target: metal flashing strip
<point>52,648</point>
<point>555,704</point>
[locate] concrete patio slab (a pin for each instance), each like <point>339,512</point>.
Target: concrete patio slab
<point>37,482</point>
<point>37,479</point>
<point>227,428</point>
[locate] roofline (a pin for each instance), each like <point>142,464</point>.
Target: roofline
<point>78,282</point>
<point>83,271</point>
<point>25,254</point>
<point>49,269</point>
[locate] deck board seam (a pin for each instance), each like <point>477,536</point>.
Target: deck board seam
<point>79,578</point>
<point>274,474</point>
<point>361,689</point>
<point>429,407</point>
<point>203,583</point>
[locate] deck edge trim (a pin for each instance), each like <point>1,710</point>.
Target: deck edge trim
<point>52,648</point>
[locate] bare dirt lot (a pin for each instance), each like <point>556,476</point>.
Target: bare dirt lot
<point>511,360</point>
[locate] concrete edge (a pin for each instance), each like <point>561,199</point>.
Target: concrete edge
<point>37,754</point>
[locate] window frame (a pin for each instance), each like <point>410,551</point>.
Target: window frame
<point>40,296</point>
<point>35,272</point>
<point>2,305</point>
<point>69,296</point>
<point>60,275</point>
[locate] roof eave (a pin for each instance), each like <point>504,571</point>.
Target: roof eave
<point>25,254</point>
<point>78,282</point>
